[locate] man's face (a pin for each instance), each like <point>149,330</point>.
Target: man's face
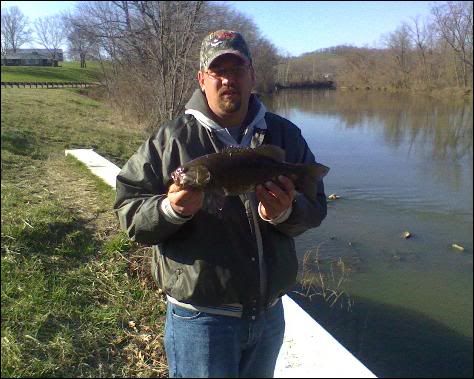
<point>227,85</point>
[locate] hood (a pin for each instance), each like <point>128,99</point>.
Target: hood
<point>198,107</point>
<point>198,102</point>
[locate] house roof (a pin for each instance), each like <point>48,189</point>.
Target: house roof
<point>31,54</point>
<point>45,51</point>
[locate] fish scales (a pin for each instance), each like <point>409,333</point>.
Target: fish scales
<point>238,170</point>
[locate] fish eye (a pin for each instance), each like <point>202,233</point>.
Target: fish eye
<point>202,174</point>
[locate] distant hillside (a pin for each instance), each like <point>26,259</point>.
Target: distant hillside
<point>310,68</point>
<point>68,72</point>
<point>390,68</point>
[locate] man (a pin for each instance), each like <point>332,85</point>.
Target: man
<point>223,272</point>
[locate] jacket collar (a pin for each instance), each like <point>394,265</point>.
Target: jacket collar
<point>254,122</point>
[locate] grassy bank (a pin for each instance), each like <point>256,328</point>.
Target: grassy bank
<point>67,72</point>
<point>77,299</point>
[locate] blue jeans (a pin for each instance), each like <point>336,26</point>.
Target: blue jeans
<point>204,345</point>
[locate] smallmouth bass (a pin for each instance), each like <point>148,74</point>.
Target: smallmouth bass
<point>237,170</point>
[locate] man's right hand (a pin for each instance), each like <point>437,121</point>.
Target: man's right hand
<point>185,202</point>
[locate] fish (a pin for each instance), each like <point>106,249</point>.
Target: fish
<point>238,170</point>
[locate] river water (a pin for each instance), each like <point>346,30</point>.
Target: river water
<point>399,163</point>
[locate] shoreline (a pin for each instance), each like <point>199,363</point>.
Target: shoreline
<point>458,92</point>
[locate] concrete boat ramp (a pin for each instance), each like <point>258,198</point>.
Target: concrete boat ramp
<point>308,350</point>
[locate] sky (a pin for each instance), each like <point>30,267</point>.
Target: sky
<point>296,27</point>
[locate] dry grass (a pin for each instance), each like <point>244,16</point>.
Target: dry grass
<point>324,278</point>
<point>141,345</point>
<point>78,299</point>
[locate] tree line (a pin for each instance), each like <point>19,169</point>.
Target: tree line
<point>149,51</point>
<point>421,54</point>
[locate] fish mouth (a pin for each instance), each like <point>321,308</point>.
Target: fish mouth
<point>178,176</point>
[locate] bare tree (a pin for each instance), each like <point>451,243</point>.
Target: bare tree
<point>170,30</point>
<point>151,52</point>
<point>4,43</point>
<point>419,36</point>
<point>51,34</point>
<point>433,54</point>
<point>81,42</point>
<point>265,61</point>
<point>399,43</point>
<point>454,25</point>
<point>360,67</point>
<point>15,30</point>
<point>81,45</point>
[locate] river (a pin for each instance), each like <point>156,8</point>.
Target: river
<point>400,163</point>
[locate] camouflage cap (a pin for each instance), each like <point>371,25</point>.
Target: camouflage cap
<point>223,42</point>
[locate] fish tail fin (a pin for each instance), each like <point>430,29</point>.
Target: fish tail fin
<point>308,183</point>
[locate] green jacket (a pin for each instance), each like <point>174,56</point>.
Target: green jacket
<point>212,259</point>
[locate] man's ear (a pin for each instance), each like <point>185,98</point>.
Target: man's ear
<point>200,78</point>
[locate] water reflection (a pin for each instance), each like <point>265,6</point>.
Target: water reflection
<point>444,126</point>
<point>382,337</point>
<point>400,162</point>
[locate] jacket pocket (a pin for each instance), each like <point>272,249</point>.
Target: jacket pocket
<point>165,271</point>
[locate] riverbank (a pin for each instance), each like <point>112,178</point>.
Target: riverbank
<point>77,300</point>
<point>449,92</point>
<point>442,93</point>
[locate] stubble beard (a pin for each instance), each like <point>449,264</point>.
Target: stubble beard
<point>230,106</point>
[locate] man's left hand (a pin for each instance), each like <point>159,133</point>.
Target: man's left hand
<point>275,198</point>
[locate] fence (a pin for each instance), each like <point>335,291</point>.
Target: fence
<point>47,84</point>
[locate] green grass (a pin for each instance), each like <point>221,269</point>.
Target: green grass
<point>68,72</point>
<point>40,122</point>
<point>71,282</point>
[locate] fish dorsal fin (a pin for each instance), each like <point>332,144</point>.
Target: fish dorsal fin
<point>268,151</point>
<point>234,150</point>
<point>272,152</point>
